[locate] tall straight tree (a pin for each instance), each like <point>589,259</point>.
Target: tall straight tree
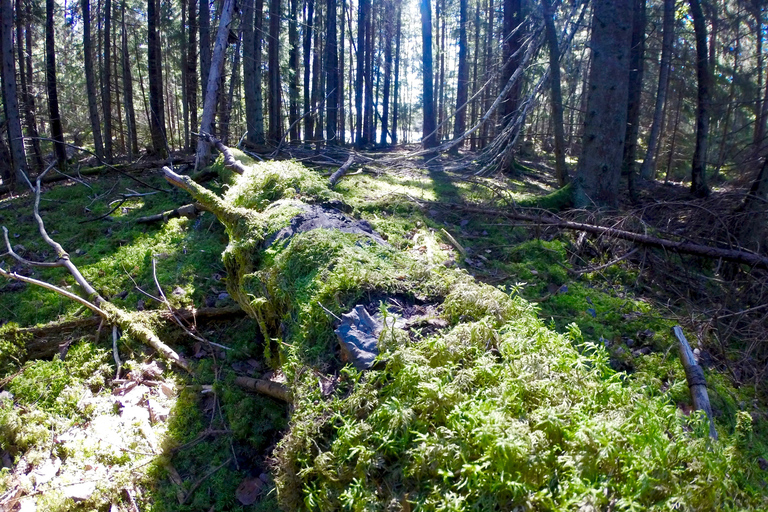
<point>10,95</point>
<point>214,81</point>
<point>293,72</point>
<point>396,95</point>
<point>368,133</point>
<point>90,80</point>
<point>130,113</point>
<point>512,35</point>
<point>275,133</point>
<point>205,42</point>
<point>258,22</point>
<point>363,10</point>
<point>155,73</point>
<point>341,133</point>
<point>249,70</point>
<point>556,95</point>
<point>309,23</point>
<point>429,138</point>
<point>635,90</point>
<point>25,77</point>
<point>387,42</point>
<point>699,186</point>
<point>191,61</point>
<point>648,168</point>
<point>331,73</point>
<point>57,132</point>
<point>462,83</point>
<point>596,182</point>
<point>106,92</point>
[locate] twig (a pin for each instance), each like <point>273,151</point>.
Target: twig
<point>199,482</point>
<point>456,244</point>
<point>336,176</point>
<point>47,286</point>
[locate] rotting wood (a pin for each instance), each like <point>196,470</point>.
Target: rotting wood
<point>265,387</point>
<point>695,377</point>
<point>336,176</point>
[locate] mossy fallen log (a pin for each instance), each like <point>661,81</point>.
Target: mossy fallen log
<point>491,410</point>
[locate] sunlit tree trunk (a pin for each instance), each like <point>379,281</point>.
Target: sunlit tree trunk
<point>57,132</point>
<point>362,17</point>
<point>25,78</point>
<point>191,76</point>
<point>387,42</point>
<point>341,134</point>
<point>396,95</point>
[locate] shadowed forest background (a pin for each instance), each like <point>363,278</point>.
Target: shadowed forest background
<point>517,203</point>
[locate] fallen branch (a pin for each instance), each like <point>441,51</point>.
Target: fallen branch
<point>695,377</point>
<point>336,176</point>
<point>229,159</point>
<point>266,387</point>
<point>189,211</point>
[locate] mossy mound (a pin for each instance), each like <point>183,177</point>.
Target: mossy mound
<point>491,411</point>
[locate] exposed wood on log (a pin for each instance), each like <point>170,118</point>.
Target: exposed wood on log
<point>229,159</point>
<point>336,176</point>
<point>189,211</point>
<point>265,387</point>
<point>736,255</point>
<point>695,377</point>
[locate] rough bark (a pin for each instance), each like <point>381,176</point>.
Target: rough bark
<point>396,95</point>
<point>556,95</point>
<point>512,38</point>
<point>596,182</point>
<point>106,84</point>
<point>90,80</point>
<point>249,70</point>
<point>462,83</point>
<point>636,56</point>
<point>205,42</point>
<point>648,169</point>
<point>362,16</point>
<point>258,99</point>
<point>699,186</point>
<point>191,61</point>
<point>10,94</point>
<point>130,112</point>
<point>275,133</point>
<point>387,42</point>
<point>24,31</point>
<point>214,82</point>
<point>155,73</point>
<point>57,132</point>
<point>331,74</point>
<point>293,72</point>
<point>429,140</point>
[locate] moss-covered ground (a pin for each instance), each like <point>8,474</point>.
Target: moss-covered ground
<point>524,386</point>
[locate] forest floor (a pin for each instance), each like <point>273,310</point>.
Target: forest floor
<point>77,432</point>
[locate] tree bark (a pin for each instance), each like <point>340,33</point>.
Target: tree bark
<point>10,97</point>
<point>155,73</point>
<point>191,76</point>
<point>556,95</point>
<point>341,135</point>
<point>511,43</point>
<point>596,182</point>
<point>396,95</point>
<point>205,43</point>
<point>699,186</point>
<point>106,92</point>
<point>293,72</point>
<point>130,113</point>
<point>462,82</point>
<point>249,70</point>
<point>636,56</point>
<point>331,74</point>
<point>214,82</point>
<point>275,133</point>
<point>387,42</point>
<point>429,140</point>
<point>362,16</point>
<point>57,132</point>
<point>368,133</point>
<point>648,169</point>
<point>23,28</point>
<point>90,80</point>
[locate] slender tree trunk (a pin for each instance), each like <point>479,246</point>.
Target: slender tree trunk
<point>10,95</point>
<point>155,73</point>
<point>25,78</point>
<point>396,95</point>
<point>561,172</point>
<point>57,131</point>
<point>318,74</point>
<point>488,66</point>
<point>214,82</point>
<point>429,139</point>
<point>106,93</point>
<point>759,131</point>
<point>205,43</point>
<point>475,85</point>
<point>293,72</point>
<point>116,85</point>
<point>258,22</point>
<point>90,80</point>
<point>675,129</point>
<point>184,70</point>
<point>309,23</point>
<point>315,95</point>
<point>275,133</point>
<point>332,74</point>
<point>362,17</point>
<point>191,83</point>
<point>130,113</point>
<point>596,182</point>
<point>368,133</point>
<point>438,54</point>
<point>511,43</point>
<point>387,42</point>
<point>635,90</point>
<point>225,120</point>
<point>342,131</point>
<point>648,169</point>
<point>249,70</point>
<point>699,186</point>
<point>462,84</point>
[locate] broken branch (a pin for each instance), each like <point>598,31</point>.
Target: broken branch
<point>695,377</point>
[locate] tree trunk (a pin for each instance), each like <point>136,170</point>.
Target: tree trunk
<point>556,95</point>
<point>704,76</point>
<point>249,70</point>
<point>511,43</point>
<point>342,123</point>
<point>130,113</point>
<point>10,97</point>
<point>214,82</point>
<point>331,74</point>
<point>475,85</point>
<point>753,213</point>
<point>387,42</point>
<point>462,83</point>
<point>90,80</point>
<point>362,17</point>
<point>205,43</point>
<point>596,182</point>
<point>315,96</point>
<point>309,15</point>
<point>429,139</point>
<point>225,120</point>
<point>23,27</point>
<point>57,132</point>
<point>275,133</point>
<point>191,76</point>
<point>648,169</point>
<point>293,72</point>
<point>487,64</point>
<point>635,92</point>
<point>368,135</point>
<point>184,70</point>
<point>396,95</point>
<point>106,93</point>
<point>155,73</point>
<point>759,132</point>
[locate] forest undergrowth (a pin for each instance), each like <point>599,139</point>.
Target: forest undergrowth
<point>525,366</point>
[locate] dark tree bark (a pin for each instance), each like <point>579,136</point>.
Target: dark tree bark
<point>155,73</point>
<point>130,113</point>
<point>226,112</point>
<point>556,95</point>
<point>205,43</point>
<point>462,84</point>
<point>293,72</point>
<point>753,213</point>
<point>331,74</point>
<point>309,23</point>
<point>258,23</point>
<point>23,31</point>
<point>488,97</point>
<point>387,42</point>
<point>759,131</point>
<point>57,132</point>
<point>596,182</point>
<point>648,169</point>
<point>249,70</point>
<point>440,71</point>
<point>90,80</point>
<point>362,17</point>
<point>512,19</point>
<point>10,93</point>
<point>429,138</point>
<point>396,95</point>
<point>635,90</point>
<point>475,85</point>
<point>191,76</point>
<point>275,133</point>
<point>342,123</point>
<point>699,186</point>
<point>214,82</point>
<point>106,92</point>
<point>368,118</point>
